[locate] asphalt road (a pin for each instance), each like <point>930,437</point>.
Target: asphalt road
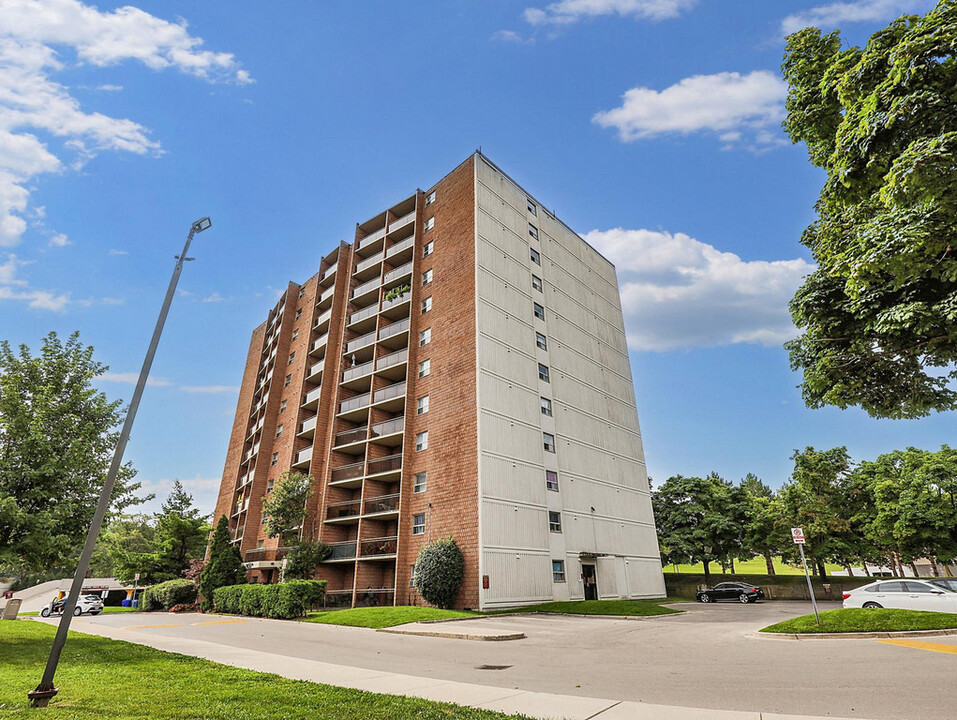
<point>706,657</point>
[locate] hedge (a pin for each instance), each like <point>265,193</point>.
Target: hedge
<point>167,594</point>
<point>283,601</point>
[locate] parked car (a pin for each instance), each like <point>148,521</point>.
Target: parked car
<point>91,604</point>
<point>948,583</point>
<point>907,594</point>
<point>742,592</point>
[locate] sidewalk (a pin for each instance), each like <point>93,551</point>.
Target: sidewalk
<point>533,704</point>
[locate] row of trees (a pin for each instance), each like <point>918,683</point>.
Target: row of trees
<point>890,511</point>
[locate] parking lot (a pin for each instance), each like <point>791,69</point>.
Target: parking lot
<point>707,657</point>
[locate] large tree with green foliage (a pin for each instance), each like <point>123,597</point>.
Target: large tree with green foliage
<point>285,509</point>
<point>181,531</point>
<point>224,566</point>
<point>764,533</point>
<point>879,315</point>
<point>57,435</point>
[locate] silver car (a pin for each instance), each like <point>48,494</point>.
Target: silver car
<point>906,594</point>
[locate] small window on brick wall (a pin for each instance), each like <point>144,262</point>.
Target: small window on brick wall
<point>430,223</point>
<point>425,367</point>
<point>418,524</point>
<point>427,305</point>
<point>419,482</point>
<point>427,277</point>
<point>427,249</point>
<point>422,405</point>
<point>275,459</point>
<point>425,337</point>
<point>430,198</point>
<point>422,441</point>
<point>279,431</point>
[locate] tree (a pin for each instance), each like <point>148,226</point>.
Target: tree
<point>181,532</point>
<point>285,509</point>
<point>224,566</point>
<point>764,534</point>
<point>699,520</point>
<point>879,314</point>
<point>302,560</point>
<point>129,541</point>
<point>57,436</point>
<point>439,571</point>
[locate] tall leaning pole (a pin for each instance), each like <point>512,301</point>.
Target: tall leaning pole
<point>40,696</point>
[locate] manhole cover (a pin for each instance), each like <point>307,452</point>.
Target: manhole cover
<point>492,667</point>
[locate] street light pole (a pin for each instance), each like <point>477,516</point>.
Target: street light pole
<point>40,697</point>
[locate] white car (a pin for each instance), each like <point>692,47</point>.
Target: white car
<point>91,604</point>
<point>903,595</point>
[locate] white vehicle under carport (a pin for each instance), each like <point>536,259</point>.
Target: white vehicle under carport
<point>91,604</point>
<point>906,594</point>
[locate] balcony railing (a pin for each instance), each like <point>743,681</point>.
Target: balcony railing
<point>349,508</point>
<point>347,472</point>
<point>354,402</point>
<point>399,356</point>
<point>369,262</point>
<point>329,271</point>
<point>386,464</point>
<point>394,329</point>
<point>366,287</point>
<point>317,368</point>
<point>375,597</point>
<point>399,247</point>
<point>276,553</point>
<point>364,313</point>
<point>360,342</point>
<point>378,546</point>
<point>396,301</point>
<point>381,504</point>
<point>357,371</point>
<point>304,456</point>
<point>308,425</point>
<point>402,221</point>
<point>388,427</point>
<point>398,272</point>
<point>312,395</point>
<point>343,551</point>
<point>350,436</point>
<point>322,319</point>
<point>320,341</point>
<point>327,293</point>
<point>389,392</point>
<point>369,239</point>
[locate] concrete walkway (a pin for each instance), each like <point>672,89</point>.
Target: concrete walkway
<point>513,701</point>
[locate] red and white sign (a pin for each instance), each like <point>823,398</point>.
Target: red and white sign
<point>797,535</point>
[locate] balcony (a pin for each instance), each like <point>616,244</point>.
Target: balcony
<point>348,510</point>
<point>323,319</point>
<point>319,346</point>
<point>378,547</point>
<point>388,464</point>
<point>401,222</point>
<point>389,392</point>
<point>348,437</point>
<point>397,273</point>
<point>372,238</point>
<point>244,480</point>
<point>315,372</point>
<point>326,295</point>
<point>240,507</point>
<point>364,313</point>
<point>360,342</point>
<point>396,328</point>
<point>354,403</point>
<point>366,288</point>
<point>308,427</point>
<point>395,302</point>
<point>342,551</point>
<point>312,398</point>
<point>387,429</point>
<point>329,272</point>
<point>357,371</point>
<point>303,458</point>
<point>394,358</point>
<point>399,247</point>
<point>351,471</point>
<point>381,505</point>
<point>266,554</point>
<point>369,263</point>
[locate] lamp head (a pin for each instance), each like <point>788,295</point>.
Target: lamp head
<point>201,224</point>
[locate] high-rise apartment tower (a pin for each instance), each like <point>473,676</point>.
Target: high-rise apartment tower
<point>460,369</point>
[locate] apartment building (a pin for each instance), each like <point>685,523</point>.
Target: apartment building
<point>459,369</point>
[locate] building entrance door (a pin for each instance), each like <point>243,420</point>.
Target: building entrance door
<point>590,581</point>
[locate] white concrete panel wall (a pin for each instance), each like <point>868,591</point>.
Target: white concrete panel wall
<point>603,498</point>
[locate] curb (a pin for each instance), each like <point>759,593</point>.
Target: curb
<point>853,636</point>
<point>454,636</point>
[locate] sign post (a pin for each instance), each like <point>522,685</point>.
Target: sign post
<point>797,535</point>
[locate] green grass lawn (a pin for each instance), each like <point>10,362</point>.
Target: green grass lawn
<point>860,620</point>
<point>380,617</point>
<point>599,607</point>
<point>101,678</point>
<point>755,566</point>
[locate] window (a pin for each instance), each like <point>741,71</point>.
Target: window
<point>430,198</point>
<point>422,441</point>
<point>532,207</point>
<point>551,480</point>
<point>275,459</point>
<point>298,313</point>
<point>537,283</point>
<point>424,368</point>
<point>533,231</point>
<point>426,304</point>
<point>427,249</point>
<point>536,257</point>
<point>426,277</point>
<point>282,406</point>
<point>302,291</point>
<point>555,521</point>
<point>418,485</point>
<point>422,405</point>
<point>269,486</point>
<point>558,571</point>
<point>418,524</point>
<point>292,356</point>
<point>295,333</point>
<point>278,430</point>
<point>539,311</point>
<point>412,575</point>
<point>546,407</point>
<point>287,381</point>
<point>425,337</point>
<point>543,372</point>
<point>548,441</point>
<point>541,341</point>
<point>430,223</point>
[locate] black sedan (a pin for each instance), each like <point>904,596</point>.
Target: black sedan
<point>742,592</point>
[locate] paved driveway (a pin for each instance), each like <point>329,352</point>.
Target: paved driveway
<point>703,658</point>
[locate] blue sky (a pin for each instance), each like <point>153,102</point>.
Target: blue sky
<point>652,127</point>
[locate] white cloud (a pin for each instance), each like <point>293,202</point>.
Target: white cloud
<point>838,13</point>
<point>117,252</point>
<point>205,491</point>
<point>209,389</point>
<point>567,12</point>
<point>59,240</point>
<point>511,36</point>
<point>679,292</point>
<point>13,288</point>
<point>726,103</point>
<point>131,378</point>
<point>213,297</point>
<point>109,88</point>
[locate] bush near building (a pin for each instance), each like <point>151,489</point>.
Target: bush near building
<point>283,601</point>
<point>224,567</point>
<point>439,570</point>
<point>165,595</point>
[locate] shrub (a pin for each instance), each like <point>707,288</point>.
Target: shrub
<point>186,607</point>
<point>305,556</point>
<point>225,566</point>
<point>284,601</point>
<point>439,570</point>
<point>167,594</point>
